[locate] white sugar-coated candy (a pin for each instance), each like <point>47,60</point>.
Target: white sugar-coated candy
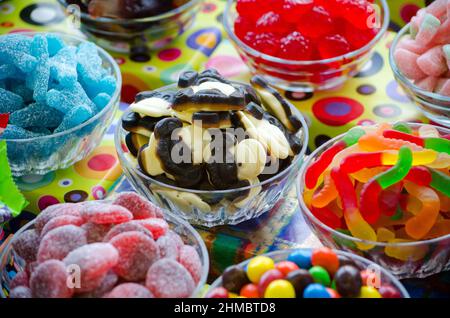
<point>433,62</point>
<point>407,64</point>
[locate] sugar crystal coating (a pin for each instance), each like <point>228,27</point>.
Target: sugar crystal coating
<point>106,285</point>
<point>55,210</point>
<point>49,280</point>
<point>36,115</point>
<point>96,232</point>
<point>158,227</point>
<point>168,247</point>
<point>59,242</point>
<point>127,227</point>
<point>136,204</point>
<point>61,221</point>
<point>26,245</point>
<point>20,292</point>
<point>189,258</point>
<point>106,214</point>
<point>129,290</point>
<point>21,279</point>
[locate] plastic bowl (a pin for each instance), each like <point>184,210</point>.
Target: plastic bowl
<point>137,35</point>
<point>11,263</point>
<point>211,208</point>
<point>41,155</point>
<point>426,257</point>
<point>386,278</point>
<point>304,76</point>
<point>434,106</point>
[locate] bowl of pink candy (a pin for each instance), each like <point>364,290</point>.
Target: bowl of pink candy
<point>121,248</point>
<point>420,60</point>
<point>61,93</point>
<point>383,192</point>
<point>306,45</point>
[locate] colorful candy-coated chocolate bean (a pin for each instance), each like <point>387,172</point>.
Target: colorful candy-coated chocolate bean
<point>258,266</point>
<point>280,288</point>
<point>218,292</point>
<point>348,281</point>
<point>268,277</point>
<point>316,291</point>
<point>301,257</point>
<point>320,275</point>
<point>234,278</point>
<point>369,292</point>
<point>326,258</point>
<point>250,291</point>
<point>388,291</point>
<point>300,279</point>
<point>286,267</point>
<point>333,293</point>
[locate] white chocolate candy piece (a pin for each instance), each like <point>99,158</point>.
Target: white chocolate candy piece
<point>226,89</point>
<point>153,107</point>
<point>149,160</point>
<point>185,201</point>
<point>250,157</point>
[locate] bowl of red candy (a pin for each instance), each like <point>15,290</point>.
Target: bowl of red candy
<point>124,247</point>
<point>306,45</point>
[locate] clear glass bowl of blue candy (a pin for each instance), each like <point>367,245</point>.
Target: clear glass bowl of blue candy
<point>133,26</point>
<point>61,93</point>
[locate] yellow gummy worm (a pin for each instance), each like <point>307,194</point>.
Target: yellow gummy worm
<point>360,228</point>
<point>375,142</point>
<point>423,157</point>
<point>406,253</point>
<point>442,161</point>
<point>384,234</point>
<point>366,174</point>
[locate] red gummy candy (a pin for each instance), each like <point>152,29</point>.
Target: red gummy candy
<point>167,278</point>
<point>333,46</point>
<point>316,24</point>
<point>55,210</point>
<point>190,259</point>
<point>20,292</point>
<point>101,213</point>
<point>271,22</point>
<point>96,232</point>
<point>126,227</point>
<point>266,43</point>
<point>137,205</point>
<point>358,38</point>
<point>21,279</point>
<point>130,290</point>
<point>59,242</point>
<point>49,280</point>
<point>158,227</point>
<point>242,26</point>
<point>388,291</point>
<point>94,261</point>
<point>106,285</point>
<point>168,247</point>
<point>291,10</point>
<point>357,12</point>
<point>26,245</point>
<point>295,46</point>
<point>60,221</point>
<point>252,9</point>
<point>137,252</point>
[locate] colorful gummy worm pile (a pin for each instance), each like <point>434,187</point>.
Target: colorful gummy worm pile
<point>306,30</point>
<point>319,273</point>
<point>387,183</point>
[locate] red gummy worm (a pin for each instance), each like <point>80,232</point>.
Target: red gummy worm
<point>4,118</point>
<point>369,207</point>
<point>420,176</point>
<point>359,161</point>
<point>318,167</point>
<point>344,186</point>
<point>394,134</point>
<point>390,198</point>
<point>327,217</point>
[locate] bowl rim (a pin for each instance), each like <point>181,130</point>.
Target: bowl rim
<point>116,96</point>
<point>406,81</point>
<point>189,4</point>
<point>226,21</point>
<point>282,174</point>
<point>393,280</point>
<point>305,210</point>
<point>168,216</point>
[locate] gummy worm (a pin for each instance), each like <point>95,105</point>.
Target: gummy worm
<point>374,142</point>
<point>318,167</point>
<point>430,178</point>
<point>437,144</point>
<point>371,191</point>
<point>327,217</point>
<point>327,194</point>
<point>355,222</point>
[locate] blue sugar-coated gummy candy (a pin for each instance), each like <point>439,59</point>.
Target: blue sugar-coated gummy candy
<point>89,66</point>
<point>7,70</point>
<point>76,116</point>
<point>15,49</point>
<point>63,66</point>
<point>16,132</point>
<point>39,47</point>
<point>301,257</point>
<point>21,90</point>
<point>55,43</point>
<point>38,81</point>
<point>67,98</point>
<point>101,100</point>
<point>3,84</point>
<point>316,291</point>
<point>10,102</point>
<point>36,115</point>
<point>39,130</point>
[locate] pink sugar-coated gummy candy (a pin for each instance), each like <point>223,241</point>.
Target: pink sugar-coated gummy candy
<point>102,213</point>
<point>190,259</point>
<point>49,280</point>
<point>21,279</point>
<point>60,221</point>
<point>130,290</point>
<point>167,247</point>
<point>158,227</point>
<point>20,292</point>
<point>26,245</point>
<point>140,207</point>
<point>443,34</point>
<point>416,21</point>
<point>126,227</point>
<point>94,261</point>
<point>137,252</point>
<point>446,50</point>
<point>428,29</point>
<point>411,45</point>
<point>53,211</point>
<point>59,242</point>
<point>438,8</point>
<point>106,285</point>
<point>433,62</point>
<point>167,278</point>
<point>407,64</point>
<point>96,232</point>
<point>444,87</point>
<point>428,83</point>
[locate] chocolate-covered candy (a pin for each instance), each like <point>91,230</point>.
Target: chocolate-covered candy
<point>211,75</point>
<point>213,119</point>
<point>158,105</point>
<point>251,193</point>
<point>344,260</point>
<point>250,157</point>
<point>167,96</point>
<point>250,94</point>
<point>133,122</point>
<point>135,142</point>
<point>234,278</point>
<point>187,79</point>
<point>255,110</point>
<point>348,281</point>
<point>148,159</point>
<point>300,278</point>
<point>130,120</point>
<point>294,141</point>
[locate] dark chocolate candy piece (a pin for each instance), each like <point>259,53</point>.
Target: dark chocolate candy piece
<point>211,75</point>
<point>234,278</point>
<point>255,110</point>
<point>294,141</point>
<point>213,119</point>
<point>135,142</point>
<point>348,281</point>
<point>300,278</point>
<point>187,79</point>
<point>130,120</point>
<point>167,96</point>
<point>250,94</point>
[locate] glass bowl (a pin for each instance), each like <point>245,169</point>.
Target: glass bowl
<point>304,76</point>
<point>11,263</point>
<point>385,278</point>
<point>434,106</point>
<point>212,208</point>
<point>425,258</point>
<point>137,35</point>
<point>39,155</point>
